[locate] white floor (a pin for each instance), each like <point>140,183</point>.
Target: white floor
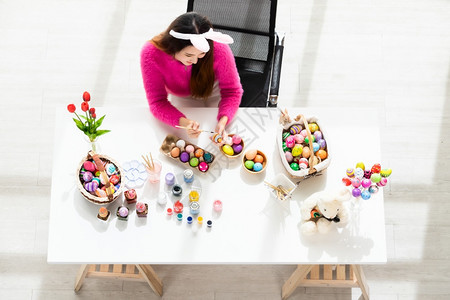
<point>391,56</point>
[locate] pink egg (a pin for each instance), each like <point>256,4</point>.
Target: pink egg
<point>382,182</point>
<point>366,183</point>
<point>299,138</point>
<point>290,141</point>
<point>250,155</point>
<point>189,149</point>
<point>236,139</point>
<point>89,166</point>
<point>304,133</point>
<point>356,182</point>
<point>288,156</point>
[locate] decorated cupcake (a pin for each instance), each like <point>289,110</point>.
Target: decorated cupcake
<point>103,214</point>
<point>130,196</point>
<point>141,209</point>
<point>122,213</point>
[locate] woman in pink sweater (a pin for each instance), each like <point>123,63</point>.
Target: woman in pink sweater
<point>190,60</point>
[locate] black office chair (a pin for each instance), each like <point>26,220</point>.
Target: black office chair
<point>257,48</point>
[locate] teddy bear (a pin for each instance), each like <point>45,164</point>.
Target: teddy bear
<point>321,209</point>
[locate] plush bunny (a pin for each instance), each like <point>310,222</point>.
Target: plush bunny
<point>322,209</point>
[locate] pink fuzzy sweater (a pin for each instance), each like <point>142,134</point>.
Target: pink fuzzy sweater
<point>162,73</point>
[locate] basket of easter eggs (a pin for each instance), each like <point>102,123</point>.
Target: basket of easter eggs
<point>232,147</point>
<point>187,153</point>
<point>99,178</point>
<point>303,146</point>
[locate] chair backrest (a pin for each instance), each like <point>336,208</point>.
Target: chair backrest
<point>251,23</point>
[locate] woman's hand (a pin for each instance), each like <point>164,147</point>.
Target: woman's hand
<point>220,129</point>
<point>192,127</point>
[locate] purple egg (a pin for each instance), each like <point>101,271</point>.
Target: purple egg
<point>322,143</point>
<point>91,186</point>
<point>356,192</point>
<point>237,148</point>
<point>289,156</point>
<point>184,156</point>
<point>318,135</point>
<point>87,176</point>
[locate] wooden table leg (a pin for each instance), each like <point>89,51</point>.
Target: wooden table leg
<point>292,283</point>
<point>80,277</point>
<point>361,278</point>
<point>152,279</point>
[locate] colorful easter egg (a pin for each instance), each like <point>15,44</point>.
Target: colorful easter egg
<point>290,141</point>
<point>184,156</point>
<point>114,179</point>
<point>199,153</point>
<point>110,169</point>
<point>365,195</point>
<point>304,160</point>
<point>294,166</point>
<point>193,162</point>
<point>91,186</point>
<point>322,143</point>
<point>304,133</point>
<point>236,139</point>
<point>376,168</point>
<point>360,165</point>
<point>180,144</point>
<point>175,152</point>
<point>316,147</point>
<point>228,150</point>
<point>356,192</point>
<point>87,176</point>
<point>203,166</point>
<point>208,157</point>
<point>257,167</point>
<point>313,127</point>
<point>318,135</point>
<point>96,179</point>
<point>250,155</point>
<point>306,153</point>
<point>356,182</point>
<point>322,154</point>
<point>190,149</point>
<point>237,148</point>
<point>375,177</point>
<point>249,164</point>
<point>350,172</point>
<point>367,174</point>
<point>295,129</point>
<point>89,166</point>
<point>386,172</point>
<point>288,156</point>
<point>297,150</point>
<point>313,139</point>
<point>303,165</point>
<point>258,159</point>
<point>365,183</point>
<point>286,135</point>
<point>285,148</point>
<point>299,138</point>
<point>359,173</point>
<point>382,182</point>
<point>100,193</point>
<point>373,189</point>
<point>229,140</point>
<point>346,181</point>
<point>217,138</point>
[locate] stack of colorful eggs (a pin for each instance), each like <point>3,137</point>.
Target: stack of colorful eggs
<point>191,155</point>
<point>296,145</point>
<point>364,182</point>
<point>94,183</point>
<point>232,146</point>
<point>254,161</point>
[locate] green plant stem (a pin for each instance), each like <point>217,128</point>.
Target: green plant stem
<point>78,117</point>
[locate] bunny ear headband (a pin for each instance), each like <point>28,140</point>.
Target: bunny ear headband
<point>199,40</point>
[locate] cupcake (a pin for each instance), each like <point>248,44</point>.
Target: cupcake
<point>141,209</point>
<point>130,196</point>
<point>103,214</point>
<point>122,213</point>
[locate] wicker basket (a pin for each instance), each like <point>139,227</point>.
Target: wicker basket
<point>316,165</point>
<point>93,198</point>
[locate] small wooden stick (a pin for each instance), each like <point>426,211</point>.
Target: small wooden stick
<point>201,130</point>
<point>153,164</point>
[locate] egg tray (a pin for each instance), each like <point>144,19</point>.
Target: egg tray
<point>169,143</point>
<point>312,169</point>
<point>93,198</point>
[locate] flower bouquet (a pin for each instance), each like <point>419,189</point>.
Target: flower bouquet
<point>88,123</point>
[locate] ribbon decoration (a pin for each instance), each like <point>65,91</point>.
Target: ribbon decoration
<point>199,40</point>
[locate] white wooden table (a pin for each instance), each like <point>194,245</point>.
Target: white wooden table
<point>253,228</point>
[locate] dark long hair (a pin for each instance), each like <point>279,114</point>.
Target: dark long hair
<point>202,75</point>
